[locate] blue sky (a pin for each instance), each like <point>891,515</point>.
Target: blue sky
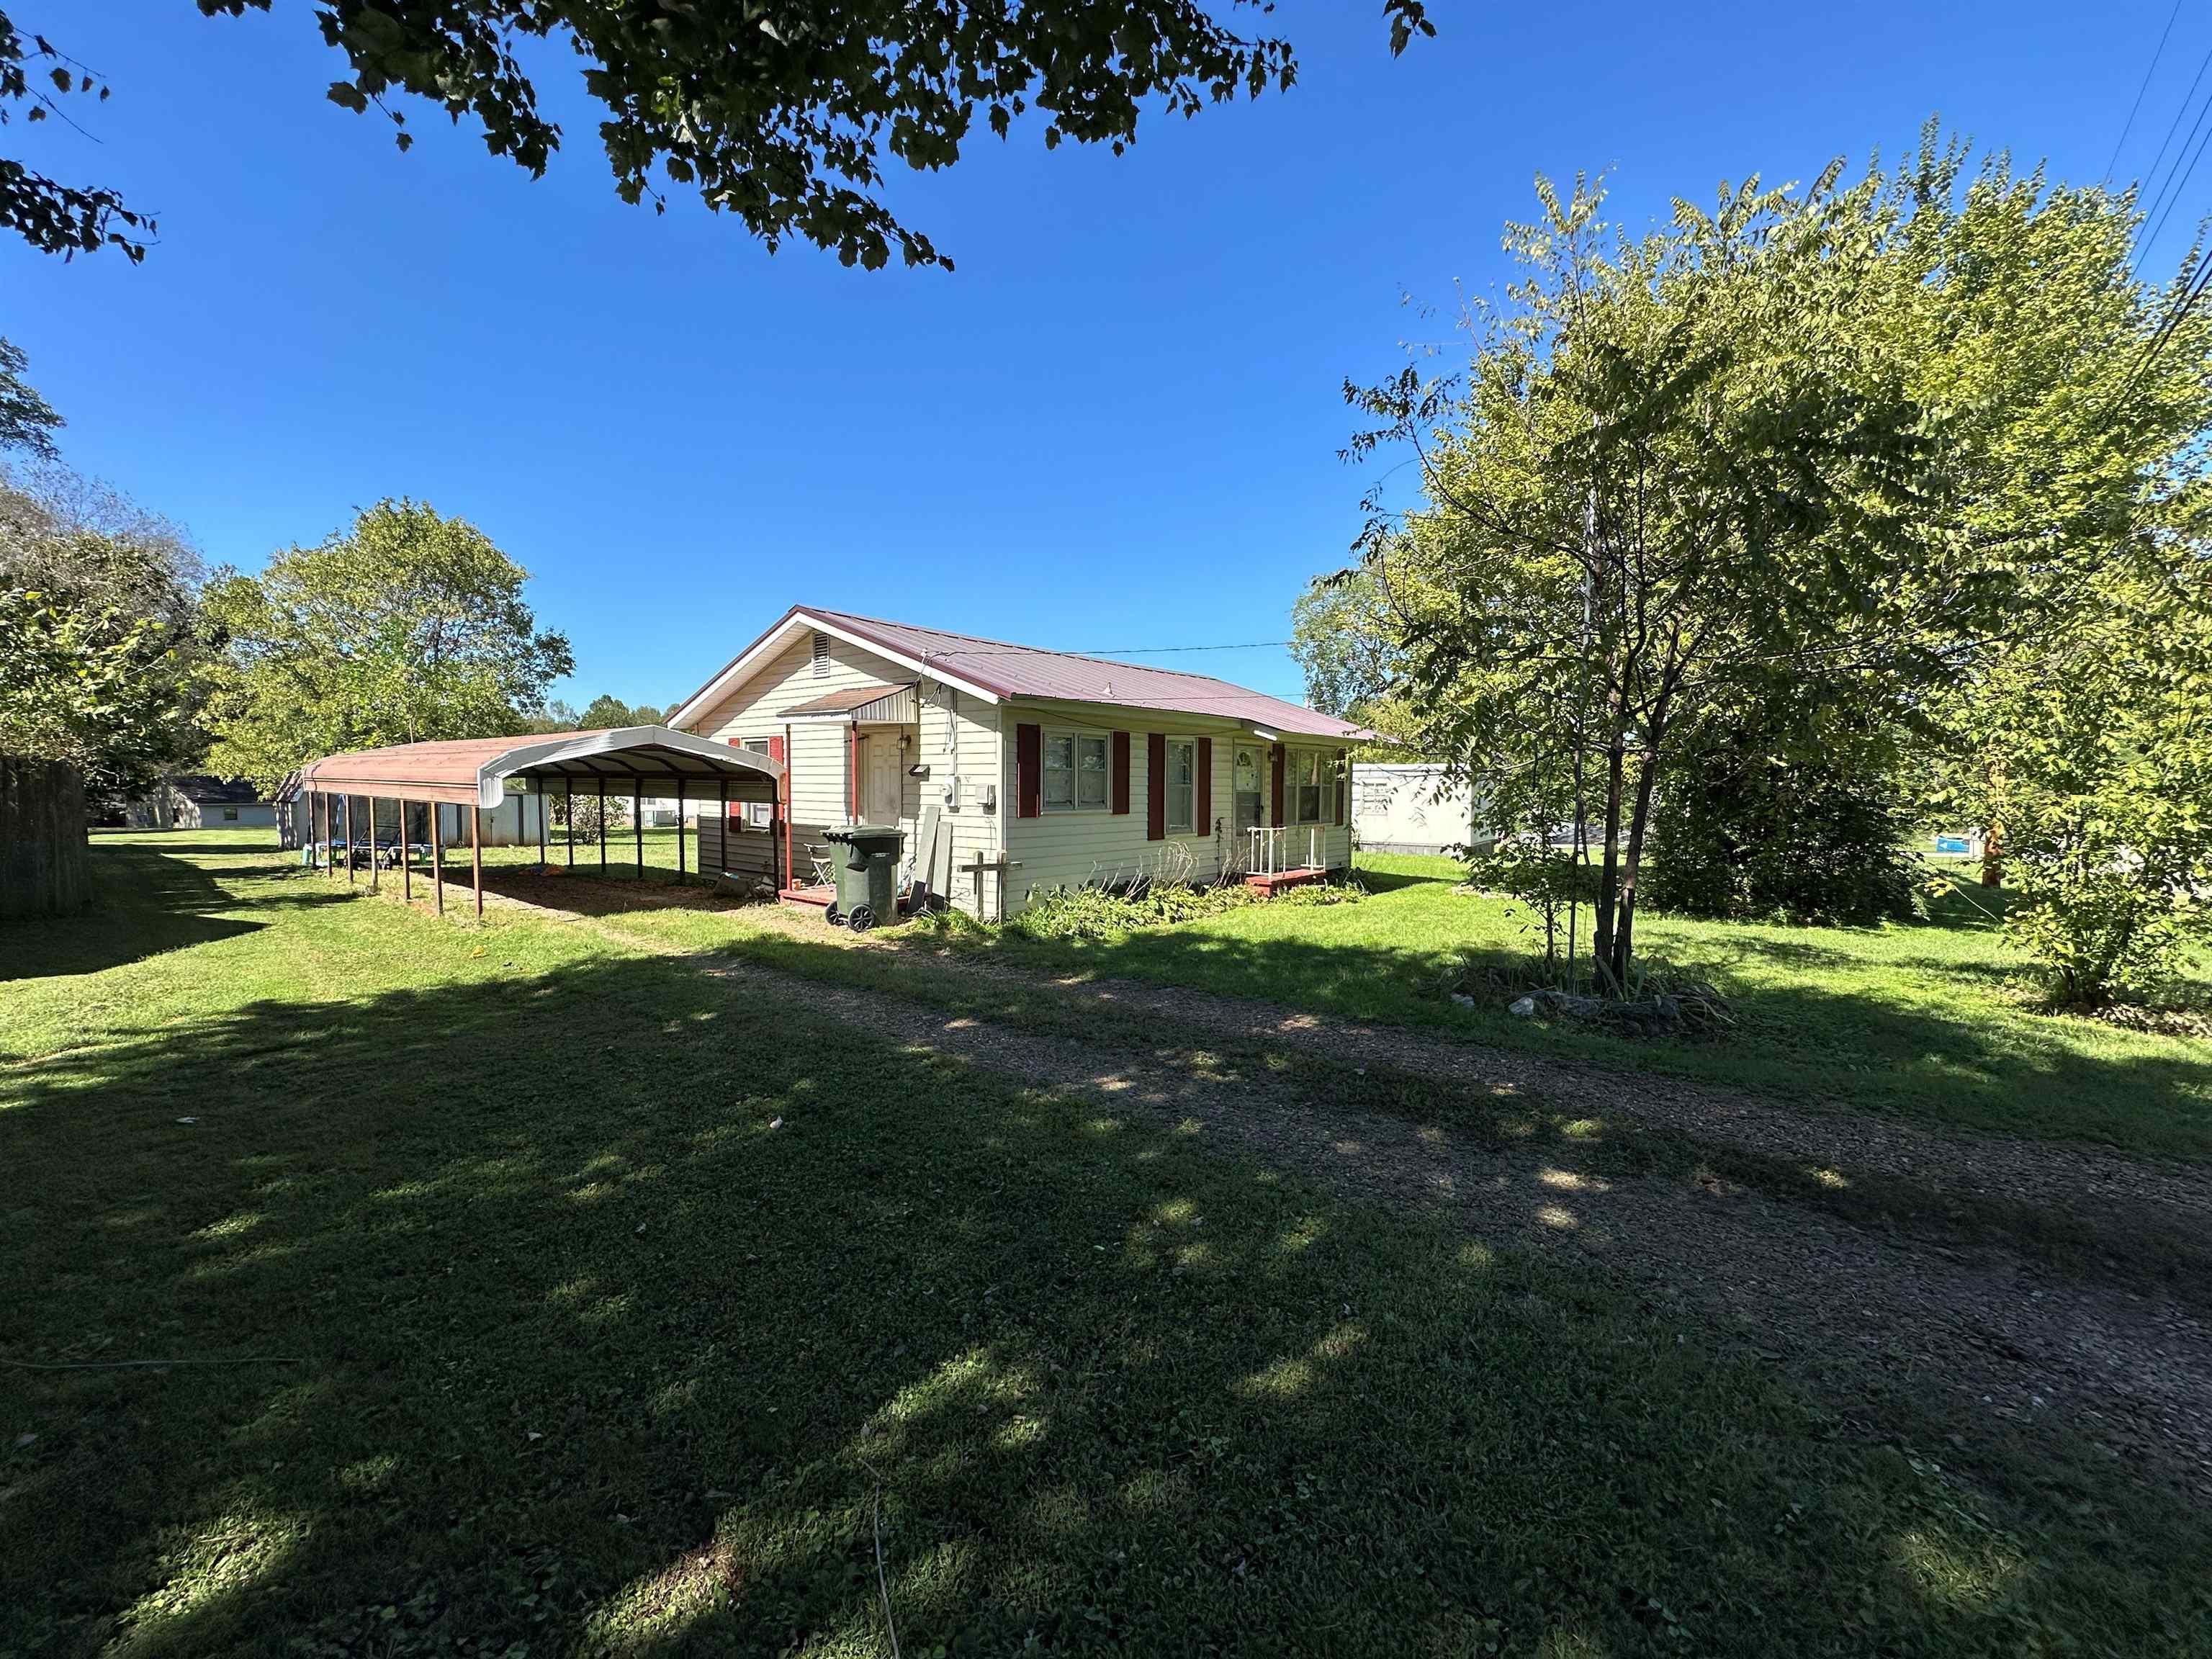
<point>1115,426</point>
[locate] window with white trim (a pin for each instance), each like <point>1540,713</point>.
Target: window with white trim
<point>1183,787</point>
<point>1075,771</point>
<point>1312,786</point>
<point>759,814</point>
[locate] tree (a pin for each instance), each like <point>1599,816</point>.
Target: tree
<point>28,422</point>
<point>2091,742</point>
<point>1783,804</point>
<point>1848,437</point>
<point>555,716</point>
<point>405,627</point>
<point>779,111</point>
<point>102,652</point>
<point>606,714</point>
<point>1344,635</point>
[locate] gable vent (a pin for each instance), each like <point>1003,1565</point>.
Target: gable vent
<point>821,656</point>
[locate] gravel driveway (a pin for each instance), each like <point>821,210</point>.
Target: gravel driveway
<point>2000,1346</point>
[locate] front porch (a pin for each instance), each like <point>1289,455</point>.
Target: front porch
<point>1279,855</point>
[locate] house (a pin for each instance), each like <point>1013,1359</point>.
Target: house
<point>1045,769</point>
<point>199,802</point>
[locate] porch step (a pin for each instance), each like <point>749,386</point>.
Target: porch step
<point>821,896</point>
<point>1269,882</point>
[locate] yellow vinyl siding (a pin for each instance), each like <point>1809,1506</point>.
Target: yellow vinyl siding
<point>817,757</point>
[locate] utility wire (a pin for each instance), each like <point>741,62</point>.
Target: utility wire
<point>2174,201</point>
<point>2179,115</point>
<point>2135,108</point>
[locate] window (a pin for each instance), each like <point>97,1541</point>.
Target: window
<point>759,814</point>
<point>1075,771</point>
<point>230,815</point>
<point>1312,786</point>
<point>1183,786</point>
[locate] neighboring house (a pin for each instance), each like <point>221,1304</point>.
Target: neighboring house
<point>199,802</point>
<point>1048,769</point>
<point>1414,808</point>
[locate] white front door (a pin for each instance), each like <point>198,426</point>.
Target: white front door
<point>882,778</point>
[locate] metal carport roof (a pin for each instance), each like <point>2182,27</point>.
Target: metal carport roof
<point>473,771</point>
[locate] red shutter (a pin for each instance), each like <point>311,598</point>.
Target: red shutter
<point>1275,813</point>
<point>1156,786</point>
<point>1204,824</point>
<point>1121,773</point>
<point>775,750</point>
<point>1029,771</point>
<point>1343,784</point>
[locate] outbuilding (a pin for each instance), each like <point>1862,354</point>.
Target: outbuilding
<point>374,809</point>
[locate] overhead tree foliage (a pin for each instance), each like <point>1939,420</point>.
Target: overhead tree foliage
<point>784,112</point>
<point>1855,435</point>
<point>406,627</point>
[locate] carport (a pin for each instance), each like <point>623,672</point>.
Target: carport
<point>481,774</point>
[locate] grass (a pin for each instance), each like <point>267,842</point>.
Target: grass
<point>1931,1020</point>
<point>1936,1020</point>
<point>621,1305</point>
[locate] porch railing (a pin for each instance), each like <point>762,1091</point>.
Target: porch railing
<point>1275,845</point>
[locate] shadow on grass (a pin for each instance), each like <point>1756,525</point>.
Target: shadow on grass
<point>619,1302</point>
<point>145,901</point>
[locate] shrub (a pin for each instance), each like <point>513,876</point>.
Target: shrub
<point>1743,832</point>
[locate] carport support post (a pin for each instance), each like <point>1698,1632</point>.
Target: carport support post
<point>406,857</point>
<point>438,852</point>
<point>722,828</point>
<point>568,810</point>
<point>348,836</point>
<point>475,854</point>
<point>603,826</point>
<point>375,864</point>
<point>637,822</point>
<point>540,795</point>
<point>322,811</point>
<point>679,823</point>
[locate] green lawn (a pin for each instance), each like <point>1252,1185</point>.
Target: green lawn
<point>618,1303</point>
<point>1932,1020</point>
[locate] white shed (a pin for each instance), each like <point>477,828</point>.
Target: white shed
<point>1414,807</point>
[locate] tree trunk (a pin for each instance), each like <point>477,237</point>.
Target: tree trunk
<point>1608,882</point>
<point>1624,932</point>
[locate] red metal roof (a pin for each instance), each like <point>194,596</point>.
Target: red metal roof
<point>1019,671</point>
<point>472,770</point>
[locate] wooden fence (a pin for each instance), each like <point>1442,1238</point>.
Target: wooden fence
<point>42,838</point>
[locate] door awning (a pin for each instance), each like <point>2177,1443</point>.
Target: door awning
<point>862,705</point>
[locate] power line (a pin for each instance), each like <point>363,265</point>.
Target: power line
<point>2135,107</point>
<point>2175,200</point>
<point>2173,127</point>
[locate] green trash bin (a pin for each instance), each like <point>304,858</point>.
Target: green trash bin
<point>866,858</point>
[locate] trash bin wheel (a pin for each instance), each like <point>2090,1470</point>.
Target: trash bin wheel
<point>862,919</point>
<point>834,916</point>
